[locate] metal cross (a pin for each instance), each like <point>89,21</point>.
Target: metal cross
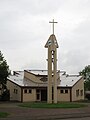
<point>53,25</point>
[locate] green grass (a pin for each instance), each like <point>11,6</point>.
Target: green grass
<point>3,114</point>
<point>46,105</point>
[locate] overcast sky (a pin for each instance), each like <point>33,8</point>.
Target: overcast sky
<point>25,28</point>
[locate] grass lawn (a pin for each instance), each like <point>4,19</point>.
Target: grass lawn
<point>3,114</point>
<point>58,105</point>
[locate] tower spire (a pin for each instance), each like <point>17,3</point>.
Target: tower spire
<point>53,25</point>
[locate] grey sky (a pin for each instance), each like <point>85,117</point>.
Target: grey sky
<point>25,28</point>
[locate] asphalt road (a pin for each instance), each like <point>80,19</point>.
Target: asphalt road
<point>20,113</point>
<point>85,118</point>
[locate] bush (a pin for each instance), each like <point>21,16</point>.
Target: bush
<point>5,96</point>
<point>87,96</point>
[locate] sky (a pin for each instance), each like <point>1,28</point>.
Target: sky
<point>25,29</point>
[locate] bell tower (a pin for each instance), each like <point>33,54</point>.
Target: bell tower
<point>52,46</point>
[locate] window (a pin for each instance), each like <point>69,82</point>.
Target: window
<point>25,91</point>
<point>15,91</point>
<point>30,91</point>
<point>61,91</point>
<point>66,91</point>
<point>81,92</point>
<point>77,92</point>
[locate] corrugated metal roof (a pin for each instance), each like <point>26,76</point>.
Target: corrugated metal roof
<point>38,72</point>
<point>69,81</point>
<point>41,72</point>
<point>65,80</point>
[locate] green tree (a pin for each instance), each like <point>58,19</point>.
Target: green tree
<point>86,74</point>
<point>4,72</point>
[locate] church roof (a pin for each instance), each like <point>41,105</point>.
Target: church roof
<point>18,78</point>
<point>65,80</point>
<point>38,72</point>
<point>69,80</point>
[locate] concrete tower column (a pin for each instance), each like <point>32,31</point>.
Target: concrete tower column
<point>52,46</point>
<point>55,76</point>
<point>49,90</point>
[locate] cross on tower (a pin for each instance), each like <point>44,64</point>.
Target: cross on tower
<point>53,24</point>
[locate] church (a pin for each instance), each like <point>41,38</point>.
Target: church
<point>49,85</point>
<point>31,85</point>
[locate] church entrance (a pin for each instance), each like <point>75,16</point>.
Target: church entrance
<point>41,94</point>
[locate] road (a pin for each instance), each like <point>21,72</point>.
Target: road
<point>85,118</point>
<point>21,113</point>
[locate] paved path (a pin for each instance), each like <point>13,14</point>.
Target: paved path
<point>17,113</point>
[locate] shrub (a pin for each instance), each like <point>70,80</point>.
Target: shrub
<point>87,96</point>
<point>6,95</point>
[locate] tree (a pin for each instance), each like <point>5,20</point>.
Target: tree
<point>4,72</point>
<point>86,74</point>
